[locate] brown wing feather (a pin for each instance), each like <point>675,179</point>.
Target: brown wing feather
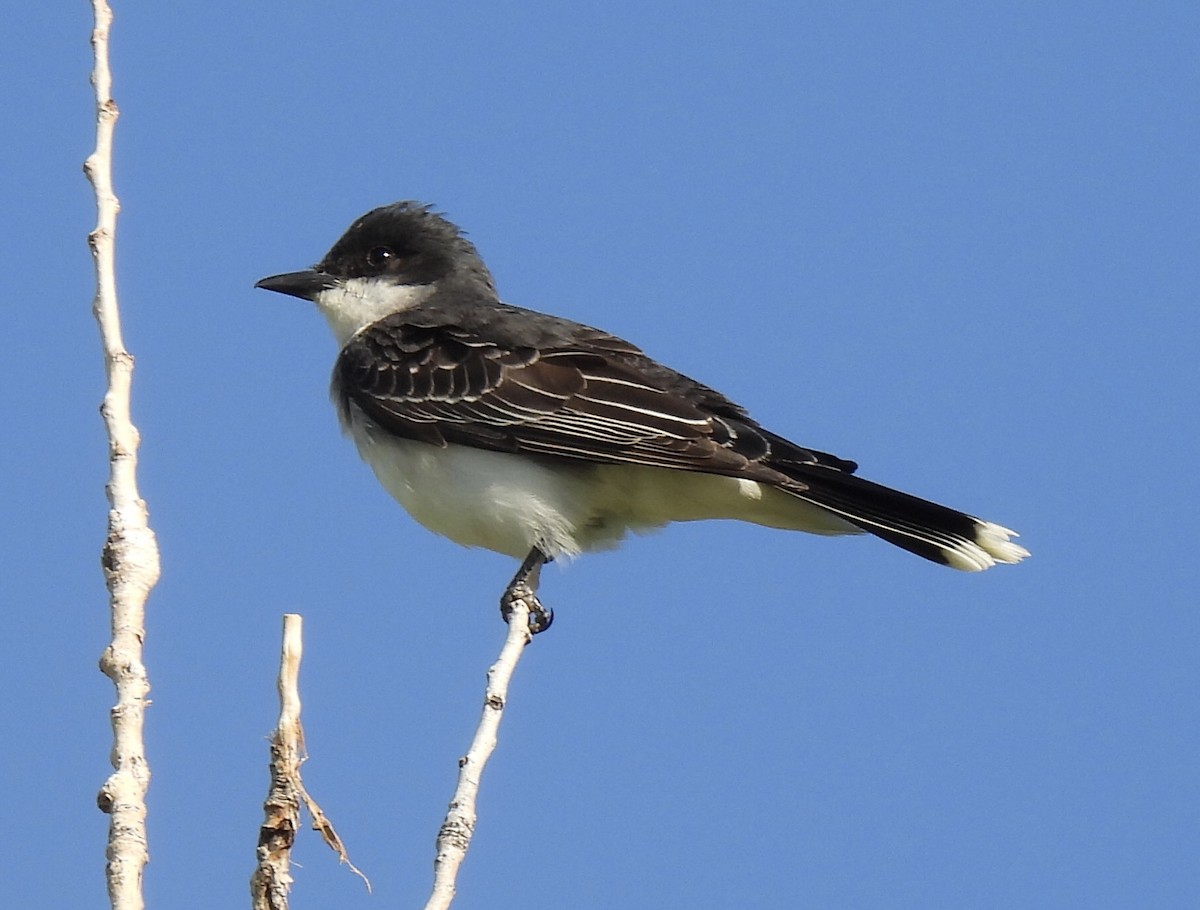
<point>586,400</point>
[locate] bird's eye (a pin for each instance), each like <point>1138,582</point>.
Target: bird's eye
<point>380,255</point>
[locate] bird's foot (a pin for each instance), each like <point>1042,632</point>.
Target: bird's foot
<point>540,616</point>
<point>523,588</point>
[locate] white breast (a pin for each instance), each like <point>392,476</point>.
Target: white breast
<point>477,498</point>
<point>511,503</point>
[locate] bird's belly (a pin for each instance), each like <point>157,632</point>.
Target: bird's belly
<point>501,502</point>
<point>511,503</point>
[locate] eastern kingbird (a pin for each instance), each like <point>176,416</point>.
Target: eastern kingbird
<point>538,437</point>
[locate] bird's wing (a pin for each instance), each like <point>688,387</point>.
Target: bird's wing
<point>593,398</point>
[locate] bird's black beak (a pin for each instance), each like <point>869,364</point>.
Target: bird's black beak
<point>306,285</point>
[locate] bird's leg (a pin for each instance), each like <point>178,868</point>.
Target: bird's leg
<point>524,587</point>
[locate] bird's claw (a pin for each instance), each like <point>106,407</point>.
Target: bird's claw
<point>540,617</point>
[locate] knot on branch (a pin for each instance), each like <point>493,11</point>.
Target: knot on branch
<point>455,833</point>
<point>106,799</point>
<point>276,835</point>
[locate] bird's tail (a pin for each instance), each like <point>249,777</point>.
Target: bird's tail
<point>935,532</point>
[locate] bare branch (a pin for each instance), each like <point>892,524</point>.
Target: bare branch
<point>455,835</point>
<point>271,881</point>
<point>130,556</point>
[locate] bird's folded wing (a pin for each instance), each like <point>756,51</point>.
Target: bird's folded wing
<point>595,398</point>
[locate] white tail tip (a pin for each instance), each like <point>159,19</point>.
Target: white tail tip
<point>992,545</point>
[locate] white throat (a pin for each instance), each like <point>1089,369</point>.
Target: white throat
<point>356,303</point>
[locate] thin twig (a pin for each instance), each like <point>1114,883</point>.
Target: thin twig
<point>454,837</point>
<point>271,881</point>
<point>130,556</point>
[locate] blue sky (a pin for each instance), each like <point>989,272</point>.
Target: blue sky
<point>955,242</point>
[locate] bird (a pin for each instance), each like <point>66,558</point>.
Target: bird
<point>538,437</point>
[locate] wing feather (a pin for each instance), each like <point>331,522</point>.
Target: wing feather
<point>594,398</point>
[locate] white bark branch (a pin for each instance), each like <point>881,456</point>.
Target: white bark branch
<point>272,878</point>
<point>455,835</point>
<point>130,556</point>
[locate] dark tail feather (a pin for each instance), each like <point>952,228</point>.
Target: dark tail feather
<point>935,532</point>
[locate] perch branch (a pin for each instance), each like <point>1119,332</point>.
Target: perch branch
<point>454,837</point>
